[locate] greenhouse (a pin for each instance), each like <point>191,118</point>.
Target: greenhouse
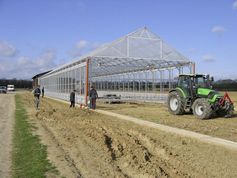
<point>139,66</point>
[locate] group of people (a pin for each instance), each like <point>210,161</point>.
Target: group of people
<point>92,97</point>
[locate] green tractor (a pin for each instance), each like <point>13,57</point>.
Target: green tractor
<point>194,93</point>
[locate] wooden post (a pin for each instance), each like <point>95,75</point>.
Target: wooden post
<point>193,65</point>
<point>87,81</point>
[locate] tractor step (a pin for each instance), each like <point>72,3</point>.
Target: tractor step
<point>188,103</point>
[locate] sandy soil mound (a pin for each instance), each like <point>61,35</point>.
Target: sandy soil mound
<point>98,146</point>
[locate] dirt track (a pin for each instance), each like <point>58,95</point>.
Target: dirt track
<point>94,145</point>
<point>7,108</point>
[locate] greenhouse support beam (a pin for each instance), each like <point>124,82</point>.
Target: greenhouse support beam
<point>193,65</point>
<point>87,81</point>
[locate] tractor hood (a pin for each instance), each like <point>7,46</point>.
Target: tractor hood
<point>212,95</point>
<point>204,91</point>
<point>208,92</point>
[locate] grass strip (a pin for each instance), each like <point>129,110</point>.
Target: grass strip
<point>29,155</point>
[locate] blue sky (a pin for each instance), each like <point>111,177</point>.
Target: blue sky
<point>36,36</point>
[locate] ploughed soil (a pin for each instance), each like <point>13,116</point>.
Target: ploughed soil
<point>225,128</point>
<point>82,143</point>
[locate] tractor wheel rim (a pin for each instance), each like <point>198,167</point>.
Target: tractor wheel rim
<point>199,109</point>
<point>173,103</point>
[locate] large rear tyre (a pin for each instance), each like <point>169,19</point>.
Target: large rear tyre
<point>175,103</point>
<point>202,108</point>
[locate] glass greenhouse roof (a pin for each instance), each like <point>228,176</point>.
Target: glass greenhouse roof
<point>137,51</point>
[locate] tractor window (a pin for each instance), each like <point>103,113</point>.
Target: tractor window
<point>183,82</point>
<point>200,82</point>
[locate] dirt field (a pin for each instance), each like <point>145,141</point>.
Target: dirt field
<point>219,127</point>
<point>7,108</point>
<point>89,144</point>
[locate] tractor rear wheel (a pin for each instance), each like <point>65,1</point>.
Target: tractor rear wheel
<point>175,103</point>
<point>202,108</point>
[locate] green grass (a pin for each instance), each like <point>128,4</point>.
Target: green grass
<point>29,155</point>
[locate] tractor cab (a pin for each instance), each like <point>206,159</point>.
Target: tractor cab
<point>190,83</point>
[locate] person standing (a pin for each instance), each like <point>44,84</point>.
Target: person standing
<point>93,96</point>
<point>42,92</point>
<point>72,98</point>
<point>37,93</point>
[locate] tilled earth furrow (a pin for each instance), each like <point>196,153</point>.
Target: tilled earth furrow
<point>103,147</point>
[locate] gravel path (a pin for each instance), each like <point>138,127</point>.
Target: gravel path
<point>7,107</point>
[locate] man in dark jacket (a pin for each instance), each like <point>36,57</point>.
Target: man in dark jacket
<point>37,93</point>
<point>72,98</point>
<point>93,96</point>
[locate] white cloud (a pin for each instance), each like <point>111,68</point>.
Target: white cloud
<point>208,58</point>
<point>7,50</point>
<point>235,5</point>
<point>46,59</point>
<point>3,66</point>
<point>82,44</point>
<point>23,60</point>
<point>79,48</point>
<point>25,67</point>
<point>82,47</point>
<point>218,29</point>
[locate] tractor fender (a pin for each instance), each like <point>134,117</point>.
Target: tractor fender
<point>172,90</point>
<point>180,91</point>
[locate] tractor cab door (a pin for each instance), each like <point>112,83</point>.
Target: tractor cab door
<point>185,84</point>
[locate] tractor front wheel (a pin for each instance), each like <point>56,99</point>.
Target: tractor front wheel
<point>202,108</point>
<point>175,103</point>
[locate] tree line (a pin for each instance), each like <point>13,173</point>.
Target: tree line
<point>225,85</point>
<point>27,84</point>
